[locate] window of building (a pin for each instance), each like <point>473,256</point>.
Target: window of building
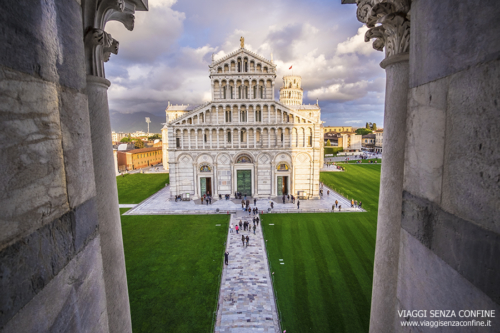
<point>310,141</point>
<point>228,136</point>
<point>178,142</point>
<point>281,137</point>
<point>228,116</point>
<point>205,137</point>
<point>243,116</point>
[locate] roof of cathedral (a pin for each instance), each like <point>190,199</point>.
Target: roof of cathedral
<point>241,50</point>
<point>304,107</point>
<point>181,107</point>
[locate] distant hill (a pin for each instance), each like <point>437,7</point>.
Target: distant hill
<point>131,122</point>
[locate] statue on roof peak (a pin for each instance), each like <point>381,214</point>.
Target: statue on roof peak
<point>242,42</point>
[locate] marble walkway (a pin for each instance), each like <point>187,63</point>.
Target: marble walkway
<point>246,300</point>
<point>161,204</point>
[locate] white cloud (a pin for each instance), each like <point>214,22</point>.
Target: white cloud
<point>353,121</point>
<point>356,44</point>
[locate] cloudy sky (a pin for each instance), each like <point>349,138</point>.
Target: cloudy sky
<point>166,57</point>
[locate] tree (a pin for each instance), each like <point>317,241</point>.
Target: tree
<point>138,144</point>
<point>367,126</point>
<point>155,136</point>
<point>363,131</point>
<point>328,143</point>
<point>374,127</point>
<point>125,139</point>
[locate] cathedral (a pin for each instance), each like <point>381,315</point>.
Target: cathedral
<point>244,141</point>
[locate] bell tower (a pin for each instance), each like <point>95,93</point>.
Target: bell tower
<point>291,93</point>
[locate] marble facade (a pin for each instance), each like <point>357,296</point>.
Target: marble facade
<point>274,148</point>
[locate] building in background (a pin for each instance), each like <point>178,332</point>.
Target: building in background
<point>138,158</point>
<point>351,142</point>
<point>338,129</point>
<point>116,137</point>
<point>379,140</point>
<point>368,142</point>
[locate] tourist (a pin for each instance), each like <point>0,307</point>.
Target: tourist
<point>355,203</point>
<point>288,197</point>
<point>298,204</point>
<point>226,257</point>
<point>254,228</point>
<point>328,192</point>
<point>333,208</point>
<point>248,238</point>
<point>352,203</point>
<point>210,200</point>
<point>336,203</point>
<point>360,204</point>
<point>283,199</point>
<point>220,196</point>
<point>272,205</point>
<point>206,199</point>
<point>231,228</point>
<point>249,211</point>
<point>241,224</point>
<point>255,202</point>
<point>254,220</point>
<point>236,227</point>
<point>340,207</point>
<point>201,200</point>
<point>243,240</point>
<point>257,220</point>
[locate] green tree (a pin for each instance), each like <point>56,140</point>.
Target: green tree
<point>374,127</point>
<point>363,131</point>
<point>367,126</point>
<point>155,136</point>
<point>328,143</point>
<point>138,144</point>
<point>125,139</point>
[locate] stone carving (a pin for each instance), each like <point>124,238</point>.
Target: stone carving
<point>242,42</point>
<point>107,50</point>
<point>389,23</point>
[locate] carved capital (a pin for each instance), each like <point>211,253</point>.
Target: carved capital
<point>389,23</point>
<point>98,44</point>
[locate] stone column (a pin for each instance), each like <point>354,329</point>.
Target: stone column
<point>390,27</point>
<point>113,258</point>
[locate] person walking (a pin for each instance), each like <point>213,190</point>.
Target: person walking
<point>352,203</point>
<point>298,204</point>
<point>241,224</point>
<point>355,203</point>
<point>231,228</point>
<point>201,200</point>
<point>340,208</point>
<point>255,202</point>
<point>206,199</point>
<point>257,220</point>
<point>272,204</point>
<point>226,257</point>
<point>360,204</point>
<point>243,240</point>
<point>210,200</point>
<point>288,197</point>
<point>283,199</point>
<point>254,229</point>
<point>242,204</point>
<point>336,203</point>
<point>236,227</point>
<point>333,208</point>
<point>247,239</point>
<point>328,192</point>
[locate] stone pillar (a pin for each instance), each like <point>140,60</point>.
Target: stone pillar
<point>389,25</point>
<point>113,258</point>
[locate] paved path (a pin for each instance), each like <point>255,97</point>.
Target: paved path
<point>127,205</point>
<point>161,204</point>
<point>246,300</point>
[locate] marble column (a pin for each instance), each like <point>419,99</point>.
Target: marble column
<point>113,258</point>
<point>389,26</point>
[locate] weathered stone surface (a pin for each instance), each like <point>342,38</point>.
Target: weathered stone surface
<point>49,29</point>
<point>77,147</point>
<point>469,249</point>
<point>426,282</point>
<point>32,178</point>
<point>28,265</point>
<point>424,152</point>
<point>74,301</point>
<point>450,36</point>
<point>471,176</point>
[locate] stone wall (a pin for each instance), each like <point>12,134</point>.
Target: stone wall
<point>50,251</point>
<point>451,194</point>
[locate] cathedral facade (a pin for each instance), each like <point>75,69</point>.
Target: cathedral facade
<point>244,141</point>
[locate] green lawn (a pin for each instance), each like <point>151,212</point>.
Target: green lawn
<point>134,188</point>
<point>326,280</point>
<point>173,265</point>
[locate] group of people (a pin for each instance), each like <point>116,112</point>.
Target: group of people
<point>288,197</point>
<point>207,198</point>
<point>226,196</point>
<point>244,239</point>
<point>355,204</point>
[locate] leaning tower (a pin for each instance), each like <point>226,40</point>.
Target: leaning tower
<point>291,92</point>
